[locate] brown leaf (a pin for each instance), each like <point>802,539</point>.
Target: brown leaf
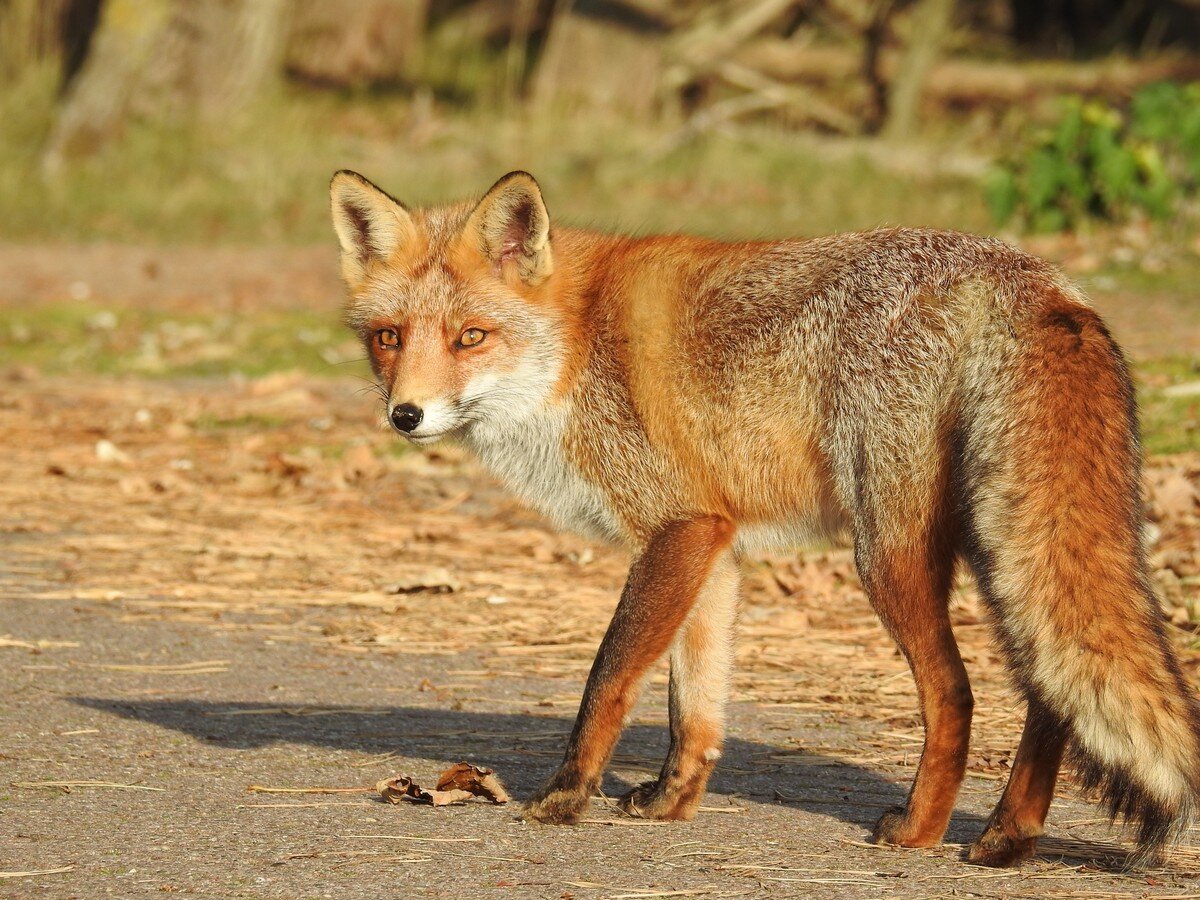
<point>286,466</point>
<point>402,787</point>
<point>1173,494</point>
<point>459,783</point>
<point>359,462</point>
<point>434,581</point>
<point>443,798</point>
<point>477,780</point>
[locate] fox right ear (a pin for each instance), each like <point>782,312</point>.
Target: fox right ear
<point>369,223</point>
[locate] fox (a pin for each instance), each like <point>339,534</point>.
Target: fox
<point>945,400</point>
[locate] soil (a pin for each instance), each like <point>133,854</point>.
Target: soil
<point>228,608</point>
<point>232,278</point>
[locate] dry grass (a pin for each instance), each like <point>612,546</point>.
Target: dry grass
<point>298,532</point>
<point>218,527</point>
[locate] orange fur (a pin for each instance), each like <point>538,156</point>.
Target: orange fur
<point>945,398</point>
<point>663,585</point>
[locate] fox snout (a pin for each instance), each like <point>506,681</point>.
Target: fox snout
<point>405,417</point>
<point>424,421</point>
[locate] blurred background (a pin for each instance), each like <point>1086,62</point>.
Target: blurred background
<point>216,120</point>
<point>163,163</point>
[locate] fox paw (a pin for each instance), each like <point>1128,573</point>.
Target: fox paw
<point>894,828</point>
<point>997,848</point>
<point>651,800</point>
<point>556,806</point>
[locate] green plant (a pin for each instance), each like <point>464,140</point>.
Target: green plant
<point>1168,113</point>
<point>1099,162</point>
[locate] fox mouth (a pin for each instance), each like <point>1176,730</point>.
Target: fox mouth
<point>422,439</point>
<point>438,420</point>
<point>420,426</point>
<point>433,436</point>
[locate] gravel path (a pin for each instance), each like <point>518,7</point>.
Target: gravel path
<point>209,604</point>
<point>286,715</point>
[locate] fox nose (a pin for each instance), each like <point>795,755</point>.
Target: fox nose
<point>406,417</point>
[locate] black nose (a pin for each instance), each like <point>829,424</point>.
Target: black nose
<point>406,417</point>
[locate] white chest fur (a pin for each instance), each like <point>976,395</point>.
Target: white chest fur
<point>527,455</point>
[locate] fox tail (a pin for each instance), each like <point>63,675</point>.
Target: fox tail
<point>1049,463</point>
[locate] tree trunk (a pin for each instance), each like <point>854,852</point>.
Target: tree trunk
<point>930,23</point>
<point>874,37</point>
<point>95,104</point>
<point>354,44</point>
<point>166,59</point>
<point>214,57</point>
<point>601,56</point>
<point>516,57</point>
<point>35,30</point>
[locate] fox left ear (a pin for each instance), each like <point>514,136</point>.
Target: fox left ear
<point>511,223</point>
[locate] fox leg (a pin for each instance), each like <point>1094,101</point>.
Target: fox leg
<point>1013,829</point>
<point>910,590</point>
<point>662,588</point>
<point>701,660</point>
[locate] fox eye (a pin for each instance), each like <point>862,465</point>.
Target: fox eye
<point>387,338</point>
<point>471,337</point>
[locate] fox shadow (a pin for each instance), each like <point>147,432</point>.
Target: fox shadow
<point>525,749</point>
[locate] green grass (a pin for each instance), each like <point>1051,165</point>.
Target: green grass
<point>1169,424</point>
<point>211,423</point>
<point>1176,279</point>
<point>77,338</point>
<point>73,338</point>
<point>263,175</point>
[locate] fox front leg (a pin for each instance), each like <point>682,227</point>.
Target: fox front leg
<point>701,662</point>
<point>663,587</point>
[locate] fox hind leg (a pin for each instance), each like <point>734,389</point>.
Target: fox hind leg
<point>1013,829</point>
<point>701,660</point>
<point>908,583</point>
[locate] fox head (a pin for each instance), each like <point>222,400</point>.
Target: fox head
<point>452,303</point>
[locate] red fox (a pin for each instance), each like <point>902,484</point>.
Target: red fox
<point>942,397</point>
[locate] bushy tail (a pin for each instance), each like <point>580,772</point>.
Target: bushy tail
<point>1050,475</point>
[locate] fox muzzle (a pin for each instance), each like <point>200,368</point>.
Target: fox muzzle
<point>405,417</point>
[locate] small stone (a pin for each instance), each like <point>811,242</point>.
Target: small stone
<point>108,452</point>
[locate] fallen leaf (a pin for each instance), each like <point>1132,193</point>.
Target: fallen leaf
<point>359,462</point>
<point>287,465</point>
<point>1174,495</point>
<point>434,581</point>
<point>476,780</point>
<point>22,373</point>
<point>402,787</point>
<point>458,784</point>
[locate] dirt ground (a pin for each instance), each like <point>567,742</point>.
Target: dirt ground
<point>229,607</point>
<point>255,279</point>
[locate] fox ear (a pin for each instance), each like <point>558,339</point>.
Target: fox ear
<point>369,223</point>
<point>511,223</point>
